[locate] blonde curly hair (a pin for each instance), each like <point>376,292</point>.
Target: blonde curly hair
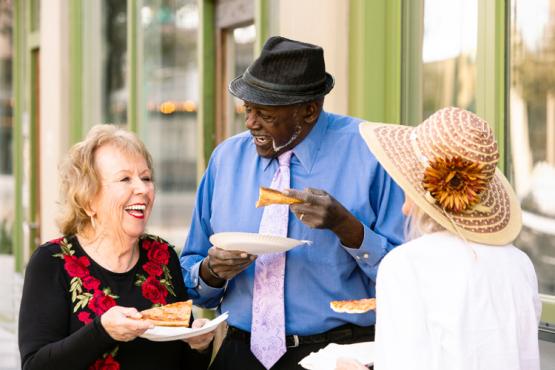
<point>79,180</point>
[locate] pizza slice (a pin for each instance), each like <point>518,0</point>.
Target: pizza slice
<point>269,196</point>
<point>354,306</point>
<point>173,314</point>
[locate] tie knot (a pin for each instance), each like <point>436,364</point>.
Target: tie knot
<point>285,158</point>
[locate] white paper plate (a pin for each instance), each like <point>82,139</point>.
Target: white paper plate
<point>165,333</point>
<point>326,358</point>
<point>254,243</point>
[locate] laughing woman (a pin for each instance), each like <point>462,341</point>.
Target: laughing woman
<point>83,292</point>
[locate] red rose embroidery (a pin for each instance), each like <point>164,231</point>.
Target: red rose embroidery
<point>159,254</point>
<point>153,269</point>
<point>149,243</point>
<point>56,241</point>
<point>107,363</point>
<point>91,283</point>
<point>101,303</point>
<point>154,291</point>
<point>146,244</point>
<point>96,300</point>
<point>84,317</point>
<point>76,267</point>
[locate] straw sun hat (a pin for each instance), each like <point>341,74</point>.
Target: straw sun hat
<point>447,166</point>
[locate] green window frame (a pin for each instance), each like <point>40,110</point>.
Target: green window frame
<point>385,80</point>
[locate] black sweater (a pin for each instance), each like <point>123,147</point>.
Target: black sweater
<point>52,337</point>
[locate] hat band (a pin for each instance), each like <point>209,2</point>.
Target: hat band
<point>297,89</point>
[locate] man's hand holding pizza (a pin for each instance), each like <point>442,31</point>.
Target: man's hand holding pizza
<point>320,210</point>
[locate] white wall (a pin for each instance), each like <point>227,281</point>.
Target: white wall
<point>54,109</point>
<point>324,23</point>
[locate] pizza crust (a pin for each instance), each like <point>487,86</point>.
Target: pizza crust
<point>269,196</point>
<point>184,324</point>
<point>173,314</point>
<point>354,306</point>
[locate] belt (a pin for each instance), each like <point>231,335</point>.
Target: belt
<point>341,333</point>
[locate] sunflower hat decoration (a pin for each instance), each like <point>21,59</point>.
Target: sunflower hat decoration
<point>455,183</point>
<point>447,166</point>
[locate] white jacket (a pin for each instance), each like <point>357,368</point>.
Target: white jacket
<point>447,304</point>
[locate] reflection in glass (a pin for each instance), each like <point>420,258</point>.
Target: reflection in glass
<point>532,130</point>
<point>104,62</point>
<point>449,54</point>
<point>240,54</point>
<point>6,127</point>
<point>169,83</point>
<point>115,73</point>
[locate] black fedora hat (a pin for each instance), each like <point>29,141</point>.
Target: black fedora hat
<point>286,72</point>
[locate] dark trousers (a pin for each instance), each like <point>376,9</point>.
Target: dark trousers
<point>235,352</point>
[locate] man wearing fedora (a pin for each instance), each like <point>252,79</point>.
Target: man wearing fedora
<point>279,303</point>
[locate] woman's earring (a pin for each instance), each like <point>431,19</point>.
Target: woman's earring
<point>93,224</point>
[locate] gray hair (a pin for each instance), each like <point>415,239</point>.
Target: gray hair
<point>418,223</point>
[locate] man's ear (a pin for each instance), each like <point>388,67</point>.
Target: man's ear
<point>312,111</point>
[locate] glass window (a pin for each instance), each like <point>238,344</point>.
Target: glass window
<point>115,63</point>
<point>6,128</point>
<point>449,54</point>
<point>169,83</point>
<point>240,55</point>
<point>532,130</point>
<point>105,62</point>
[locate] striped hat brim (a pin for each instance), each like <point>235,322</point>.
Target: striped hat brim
<point>498,223</point>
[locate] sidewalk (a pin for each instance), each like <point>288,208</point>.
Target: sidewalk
<point>11,284</point>
<point>9,356</point>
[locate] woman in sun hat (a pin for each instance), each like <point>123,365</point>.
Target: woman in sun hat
<point>457,294</point>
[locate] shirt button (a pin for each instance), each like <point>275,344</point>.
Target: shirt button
<point>357,257</point>
<point>365,255</point>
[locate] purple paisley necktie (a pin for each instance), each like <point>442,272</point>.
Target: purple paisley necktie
<point>268,313</point>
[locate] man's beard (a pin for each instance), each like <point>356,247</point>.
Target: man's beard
<point>294,137</point>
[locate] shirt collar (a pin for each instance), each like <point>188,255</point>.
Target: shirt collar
<point>307,150</point>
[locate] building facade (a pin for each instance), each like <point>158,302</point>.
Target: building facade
<point>161,68</point>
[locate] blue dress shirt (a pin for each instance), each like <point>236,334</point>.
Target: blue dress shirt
<point>333,157</point>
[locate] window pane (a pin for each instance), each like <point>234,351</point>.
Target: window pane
<point>449,54</point>
<point>242,50</point>
<point>532,130</point>
<point>6,128</point>
<point>104,62</point>
<point>115,65</point>
<point>169,112</point>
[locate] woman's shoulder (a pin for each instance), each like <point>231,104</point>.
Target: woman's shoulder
<point>157,248</point>
<point>424,250</point>
<point>422,244</point>
<point>49,254</point>
<point>53,247</point>
<point>149,240</point>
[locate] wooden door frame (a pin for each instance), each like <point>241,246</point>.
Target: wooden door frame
<point>229,15</point>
